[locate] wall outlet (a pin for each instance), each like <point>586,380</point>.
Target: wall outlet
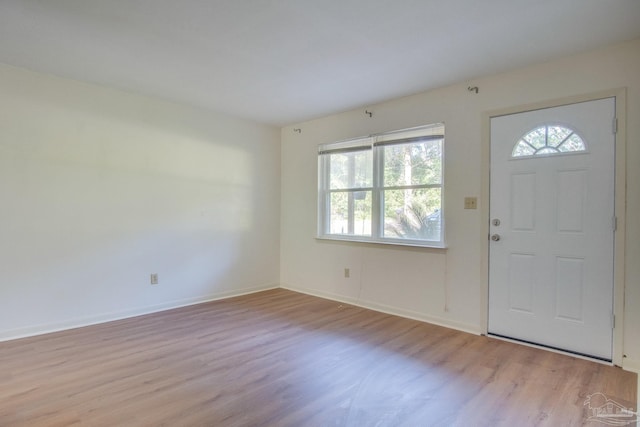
<point>471,203</point>
<point>347,273</point>
<point>154,278</point>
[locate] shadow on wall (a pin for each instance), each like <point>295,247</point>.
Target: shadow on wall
<point>96,196</point>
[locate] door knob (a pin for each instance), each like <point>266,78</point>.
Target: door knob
<point>495,237</point>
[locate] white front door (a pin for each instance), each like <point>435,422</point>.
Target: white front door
<point>552,227</point>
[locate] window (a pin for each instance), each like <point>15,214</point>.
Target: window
<point>548,140</point>
<point>384,188</point>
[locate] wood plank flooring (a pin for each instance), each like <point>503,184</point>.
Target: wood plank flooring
<point>279,358</point>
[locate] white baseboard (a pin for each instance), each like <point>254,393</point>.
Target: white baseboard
<point>125,314</point>
<point>383,308</point>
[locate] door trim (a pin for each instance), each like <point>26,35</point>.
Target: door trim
<point>619,204</point>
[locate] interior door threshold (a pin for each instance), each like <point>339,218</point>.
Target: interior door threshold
<point>552,349</point>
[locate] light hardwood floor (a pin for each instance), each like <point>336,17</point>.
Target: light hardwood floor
<point>279,358</point>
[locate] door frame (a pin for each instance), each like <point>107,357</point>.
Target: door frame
<point>619,204</point>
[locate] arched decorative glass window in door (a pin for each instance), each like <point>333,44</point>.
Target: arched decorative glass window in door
<point>548,140</point>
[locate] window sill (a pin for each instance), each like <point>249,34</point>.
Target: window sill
<point>387,242</point>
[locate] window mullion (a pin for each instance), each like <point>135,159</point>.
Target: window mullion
<point>412,187</point>
<point>376,196</point>
<point>351,182</point>
<point>323,203</point>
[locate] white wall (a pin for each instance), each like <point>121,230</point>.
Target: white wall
<point>100,188</point>
<point>444,286</point>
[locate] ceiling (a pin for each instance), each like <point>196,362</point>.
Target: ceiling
<point>284,61</point>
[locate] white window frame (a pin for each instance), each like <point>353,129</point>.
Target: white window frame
<point>376,143</point>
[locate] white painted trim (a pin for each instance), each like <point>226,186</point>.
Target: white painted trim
<point>632,365</point>
<point>125,314</point>
<point>485,185</point>
<point>619,279</point>
<point>387,309</point>
<point>620,95</point>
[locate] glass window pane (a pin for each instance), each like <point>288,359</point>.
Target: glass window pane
<point>557,134</point>
<point>413,164</point>
<point>523,149</point>
<point>537,137</point>
<point>350,213</point>
<point>547,150</point>
<point>413,214</point>
<point>573,143</point>
<point>350,170</point>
